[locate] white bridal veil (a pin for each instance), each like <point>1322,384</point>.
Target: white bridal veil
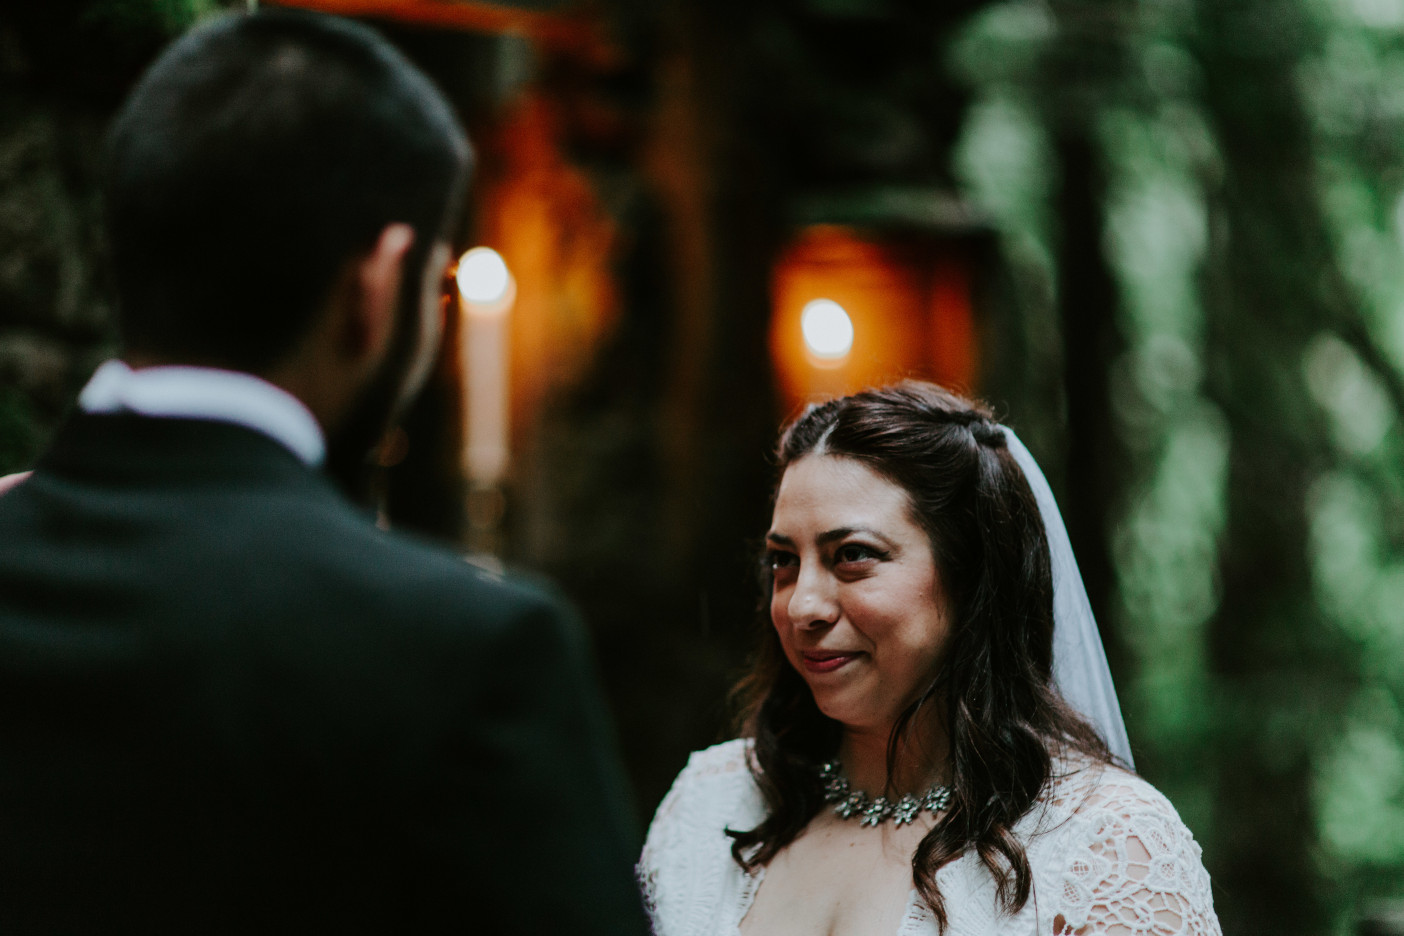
<point>1079,663</point>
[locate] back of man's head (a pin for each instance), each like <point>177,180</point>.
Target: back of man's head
<point>256,158</point>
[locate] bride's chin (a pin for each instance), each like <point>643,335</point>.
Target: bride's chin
<point>848,716</point>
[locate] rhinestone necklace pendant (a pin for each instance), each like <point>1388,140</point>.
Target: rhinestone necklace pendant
<point>878,811</point>
<point>906,810</point>
<point>849,803</point>
<point>854,804</point>
<point>936,799</point>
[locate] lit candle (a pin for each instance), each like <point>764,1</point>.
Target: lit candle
<point>827,330</point>
<point>486,291</point>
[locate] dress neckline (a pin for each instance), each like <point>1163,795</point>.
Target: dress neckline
<point>914,915</point>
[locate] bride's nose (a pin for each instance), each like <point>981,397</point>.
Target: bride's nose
<point>814,602</point>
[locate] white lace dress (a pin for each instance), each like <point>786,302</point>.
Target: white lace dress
<point>1109,856</point>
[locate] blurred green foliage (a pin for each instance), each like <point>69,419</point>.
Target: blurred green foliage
<point>1258,404</point>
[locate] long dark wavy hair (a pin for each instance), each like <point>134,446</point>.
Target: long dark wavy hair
<point>994,691</point>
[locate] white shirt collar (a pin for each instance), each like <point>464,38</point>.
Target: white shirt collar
<point>206,393</point>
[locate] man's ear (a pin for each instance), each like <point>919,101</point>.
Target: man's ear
<point>378,276</point>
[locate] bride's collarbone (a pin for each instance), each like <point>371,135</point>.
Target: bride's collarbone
<point>837,878</point>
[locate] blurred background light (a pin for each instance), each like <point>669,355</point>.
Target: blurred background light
<point>483,276</point>
<point>828,331</point>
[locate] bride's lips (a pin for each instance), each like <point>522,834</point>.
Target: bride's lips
<point>826,661</point>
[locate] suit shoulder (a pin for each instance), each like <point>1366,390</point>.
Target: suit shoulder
<point>417,570</point>
<point>340,564</point>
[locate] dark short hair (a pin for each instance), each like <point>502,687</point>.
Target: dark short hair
<point>1003,716</point>
<point>257,156</point>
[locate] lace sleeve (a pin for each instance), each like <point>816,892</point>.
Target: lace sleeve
<point>656,846</point>
<point>1133,869</point>
<point>686,872</point>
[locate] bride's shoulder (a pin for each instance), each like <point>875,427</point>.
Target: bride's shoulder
<point>716,775</point>
<point>1117,848</point>
<point>724,759</point>
<point>714,792</point>
<point>1098,801</point>
<point>716,782</point>
<point>686,866</point>
<point>1082,784</point>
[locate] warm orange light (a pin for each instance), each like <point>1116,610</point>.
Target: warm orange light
<point>486,292</point>
<point>484,281</point>
<point>855,308</point>
<point>561,244</point>
<point>827,330</point>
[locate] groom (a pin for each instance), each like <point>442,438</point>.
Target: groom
<point>228,702</point>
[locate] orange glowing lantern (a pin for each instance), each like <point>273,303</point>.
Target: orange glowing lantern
<point>854,307</point>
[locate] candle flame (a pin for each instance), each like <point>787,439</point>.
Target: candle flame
<point>827,329</point>
<point>483,277</point>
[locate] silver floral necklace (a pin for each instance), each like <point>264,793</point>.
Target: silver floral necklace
<point>850,803</point>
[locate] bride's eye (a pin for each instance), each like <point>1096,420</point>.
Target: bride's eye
<point>779,559</point>
<point>855,552</point>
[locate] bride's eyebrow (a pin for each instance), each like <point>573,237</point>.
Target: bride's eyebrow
<point>832,536</point>
<point>844,532</point>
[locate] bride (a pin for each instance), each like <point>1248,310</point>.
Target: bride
<point>924,750</point>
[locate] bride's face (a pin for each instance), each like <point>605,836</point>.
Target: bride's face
<point>857,600</point>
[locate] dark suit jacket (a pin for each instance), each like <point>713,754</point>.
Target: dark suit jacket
<point>230,703</point>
